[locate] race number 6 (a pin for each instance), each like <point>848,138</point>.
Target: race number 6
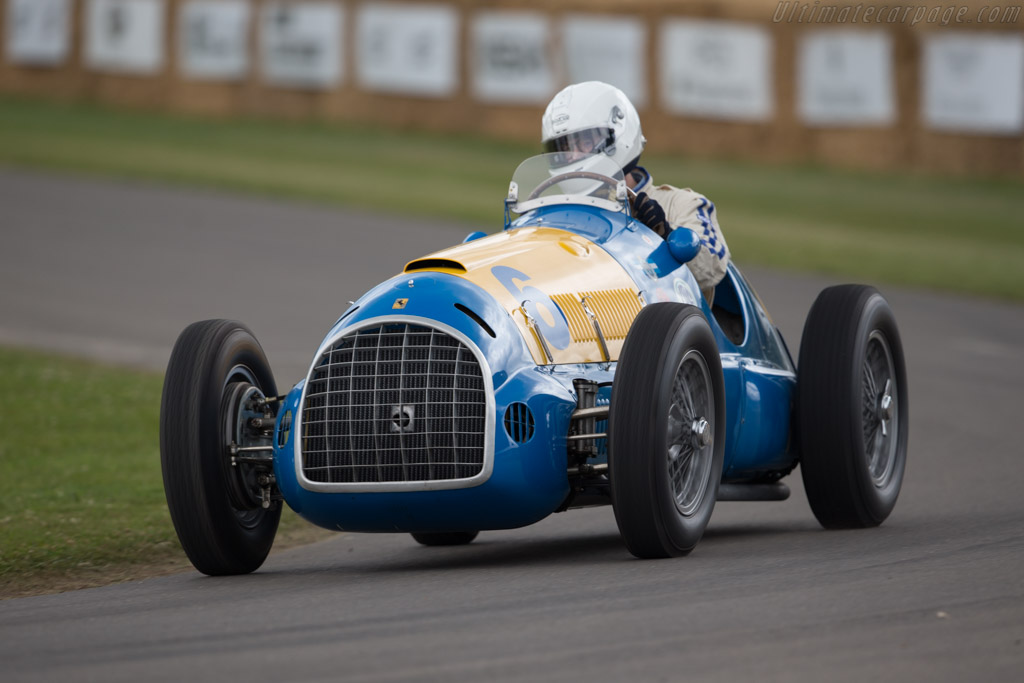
<point>549,316</point>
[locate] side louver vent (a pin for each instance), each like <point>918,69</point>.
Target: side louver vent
<point>614,309</point>
<point>519,422</point>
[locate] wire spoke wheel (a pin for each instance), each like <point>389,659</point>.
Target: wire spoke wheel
<point>880,409</point>
<point>666,443</point>
<point>852,408</point>
<point>213,389</point>
<point>689,457</point>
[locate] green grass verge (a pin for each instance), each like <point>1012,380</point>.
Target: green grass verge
<point>955,234</point>
<point>83,500</point>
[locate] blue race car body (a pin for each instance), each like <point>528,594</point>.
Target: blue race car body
<point>569,360</point>
<point>443,399</point>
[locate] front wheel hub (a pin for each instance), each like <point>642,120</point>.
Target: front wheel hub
<point>242,410</point>
<point>702,436</point>
<point>885,407</point>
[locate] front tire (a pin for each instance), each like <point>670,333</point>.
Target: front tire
<point>215,367</point>
<point>852,408</point>
<point>666,431</point>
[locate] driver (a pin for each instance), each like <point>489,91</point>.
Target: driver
<point>597,118</point>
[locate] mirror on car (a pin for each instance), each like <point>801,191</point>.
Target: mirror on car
<point>683,244</point>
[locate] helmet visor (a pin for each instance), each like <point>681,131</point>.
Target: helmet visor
<point>571,147</point>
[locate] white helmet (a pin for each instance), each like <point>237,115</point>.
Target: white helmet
<point>590,118</point>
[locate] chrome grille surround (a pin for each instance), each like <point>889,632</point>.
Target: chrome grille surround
<point>378,437</point>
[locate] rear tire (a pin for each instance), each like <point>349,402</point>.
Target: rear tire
<point>446,538</point>
<point>221,528</point>
<point>852,408</point>
<point>666,431</point>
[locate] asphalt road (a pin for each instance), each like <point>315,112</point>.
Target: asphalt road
<point>114,271</point>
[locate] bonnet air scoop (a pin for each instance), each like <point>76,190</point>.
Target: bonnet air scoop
<point>437,264</point>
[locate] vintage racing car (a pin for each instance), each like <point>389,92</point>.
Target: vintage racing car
<point>569,360</point>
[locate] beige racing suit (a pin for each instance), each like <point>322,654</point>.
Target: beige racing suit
<point>685,208</point>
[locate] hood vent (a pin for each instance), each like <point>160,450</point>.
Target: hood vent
<point>479,321</point>
<point>442,264</point>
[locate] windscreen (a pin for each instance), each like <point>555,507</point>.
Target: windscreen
<point>545,179</point>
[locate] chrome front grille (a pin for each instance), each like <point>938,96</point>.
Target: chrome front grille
<point>396,402</point>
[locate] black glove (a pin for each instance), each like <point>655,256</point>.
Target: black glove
<point>649,212</point>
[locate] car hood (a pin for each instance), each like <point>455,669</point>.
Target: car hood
<point>558,287</point>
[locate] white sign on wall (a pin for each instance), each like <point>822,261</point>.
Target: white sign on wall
<point>974,83</point>
<point>845,77</point>
<point>38,31</point>
<point>609,49</point>
<point>408,49</point>
<point>214,39</point>
<point>125,36</point>
<point>716,69</point>
<point>510,57</point>
<point>301,44</point>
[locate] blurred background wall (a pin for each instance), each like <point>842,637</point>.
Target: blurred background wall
<point>862,85</point>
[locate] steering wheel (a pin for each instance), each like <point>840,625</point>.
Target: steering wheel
<point>589,175</point>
